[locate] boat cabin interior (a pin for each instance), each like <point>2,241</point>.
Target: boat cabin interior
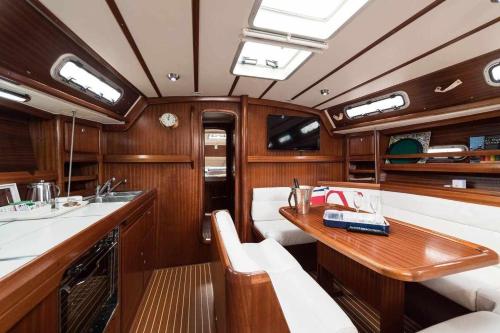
<point>250,166</point>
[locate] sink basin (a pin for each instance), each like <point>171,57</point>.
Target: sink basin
<point>117,197</point>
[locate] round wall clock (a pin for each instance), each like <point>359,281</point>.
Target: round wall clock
<point>169,120</point>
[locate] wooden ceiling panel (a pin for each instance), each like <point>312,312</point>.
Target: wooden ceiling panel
<point>468,48</point>
<point>56,105</point>
<point>102,33</point>
<point>221,22</point>
<point>444,23</point>
<point>163,33</point>
<point>375,20</point>
<point>31,44</point>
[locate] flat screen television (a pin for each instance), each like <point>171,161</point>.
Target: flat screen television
<point>292,133</point>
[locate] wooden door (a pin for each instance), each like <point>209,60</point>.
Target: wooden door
<point>86,138</point>
<point>149,246</point>
<point>361,145</point>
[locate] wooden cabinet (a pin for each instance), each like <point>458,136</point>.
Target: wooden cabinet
<point>137,262</point>
<point>361,145</point>
<point>86,138</point>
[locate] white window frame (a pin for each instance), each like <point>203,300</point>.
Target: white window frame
<point>488,73</point>
<point>65,58</point>
<point>401,93</point>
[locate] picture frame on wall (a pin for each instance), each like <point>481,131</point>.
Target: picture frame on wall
<point>9,194</point>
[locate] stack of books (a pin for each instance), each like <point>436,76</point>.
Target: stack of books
<point>356,222</point>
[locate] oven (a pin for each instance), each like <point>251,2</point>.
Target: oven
<point>89,289</point>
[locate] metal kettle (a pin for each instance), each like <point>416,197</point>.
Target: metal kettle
<point>43,191</point>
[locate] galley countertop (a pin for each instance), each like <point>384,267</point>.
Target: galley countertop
<point>46,248</point>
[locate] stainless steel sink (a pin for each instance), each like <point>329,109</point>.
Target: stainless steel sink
<point>116,197</point>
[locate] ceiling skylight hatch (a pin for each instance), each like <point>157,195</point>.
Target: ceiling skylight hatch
<point>268,61</point>
<point>492,73</point>
<point>315,19</point>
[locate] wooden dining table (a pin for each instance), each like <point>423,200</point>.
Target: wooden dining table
<point>376,268</point>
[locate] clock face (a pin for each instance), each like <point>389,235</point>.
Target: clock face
<point>169,120</point>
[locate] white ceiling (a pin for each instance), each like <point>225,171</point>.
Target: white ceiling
<point>162,31</point>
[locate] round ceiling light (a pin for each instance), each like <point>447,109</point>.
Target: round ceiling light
<point>173,76</point>
<point>325,92</point>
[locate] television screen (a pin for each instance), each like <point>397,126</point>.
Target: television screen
<point>292,133</point>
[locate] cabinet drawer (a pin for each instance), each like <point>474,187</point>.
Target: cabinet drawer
<point>86,138</point>
<point>361,145</point>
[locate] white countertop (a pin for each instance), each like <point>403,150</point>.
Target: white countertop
<point>23,241</point>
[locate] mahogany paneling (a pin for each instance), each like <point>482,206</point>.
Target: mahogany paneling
<point>322,164</point>
<point>15,145</point>
<point>233,86</point>
<point>36,43</point>
<point>422,95</point>
<point>86,139</point>
<point>179,208</point>
<point>44,317</point>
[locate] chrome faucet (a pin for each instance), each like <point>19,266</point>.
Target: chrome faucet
<point>123,181</point>
<point>99,191</point>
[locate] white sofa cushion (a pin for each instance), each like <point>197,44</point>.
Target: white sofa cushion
<point>306,306</point>
<point>239,259</point>
<point>271,256</point>
<point>478,322</point>
<point>283,231</point>
<point>269,222</point>
<point>475,290</point>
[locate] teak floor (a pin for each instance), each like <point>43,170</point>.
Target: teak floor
<point>178,299</point>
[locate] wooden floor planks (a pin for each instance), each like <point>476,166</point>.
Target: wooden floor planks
<point>178,299</point>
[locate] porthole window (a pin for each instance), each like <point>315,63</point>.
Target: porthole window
<point>492,73</point>
<point>74,72</point>
<point>387,103</point>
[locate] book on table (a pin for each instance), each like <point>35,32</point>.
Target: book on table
<point>356,222</point>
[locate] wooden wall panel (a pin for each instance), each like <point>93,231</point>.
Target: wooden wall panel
<point>15,144</point>
<point>421,90</point>
<point>282,174</point>
<point>178,211</point>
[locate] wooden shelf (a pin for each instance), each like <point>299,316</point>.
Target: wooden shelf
<point>24,177</point>
<point>84,192</point>
<point>81,178</point>
<point>465,154</point>
<point>445,167</point>
<point>148,159</point>
<point>293,159</point>
<point>362,158</point>
<point>356,171</point>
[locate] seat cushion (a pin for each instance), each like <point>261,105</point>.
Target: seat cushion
<point>477,322</point>
<point>306,306</point>
<point>239,259</point>
<point>270,255</point>
<point>283,231</point>
<point>267,201</point>
<point>474,290</point>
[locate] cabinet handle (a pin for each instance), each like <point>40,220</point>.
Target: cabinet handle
<point>142,254</point>
<point>83,130</point>
<point>144,261</point>
<point>148,212</point>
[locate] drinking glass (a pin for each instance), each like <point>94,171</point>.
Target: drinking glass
<point>358,200</point>
<point>375,204</point>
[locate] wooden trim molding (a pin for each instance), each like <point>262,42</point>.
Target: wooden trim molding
<point>130,118</point>
<point>233,86</point>
<point>115,158</point>
<point>295,159</point>
<point>123,25</point>
<point>267,89</point>
<point>480,197</point>
<point>193,99</point>
<point>195,8</point>
<point>423,55</point>
<point>372,45</point>
<point>244,226</point>
<point>24,177</point>
<point>366,186</point>
<point>25,108</point>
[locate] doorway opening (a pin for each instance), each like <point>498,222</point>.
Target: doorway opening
<point>220,164</point>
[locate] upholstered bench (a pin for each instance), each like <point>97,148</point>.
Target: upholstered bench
<point>477,322</point>
<point>267,220</point>
<point>475,290</point>
<point>268,288</point>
